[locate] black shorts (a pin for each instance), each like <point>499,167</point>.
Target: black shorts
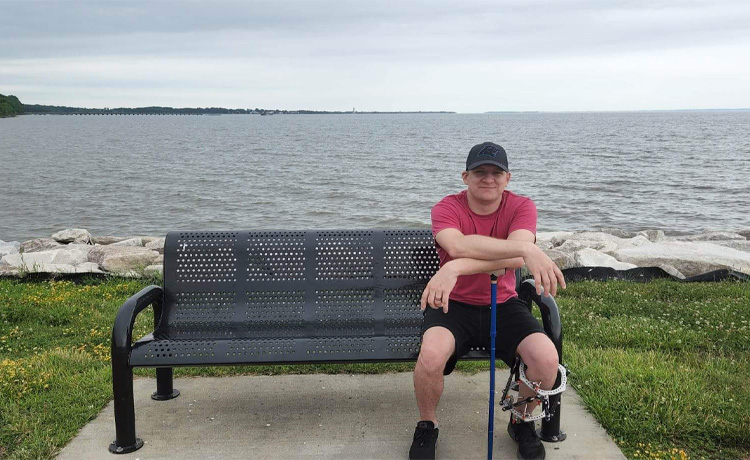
<point>470,326</point>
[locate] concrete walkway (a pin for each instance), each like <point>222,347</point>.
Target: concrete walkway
<point>324,416</point>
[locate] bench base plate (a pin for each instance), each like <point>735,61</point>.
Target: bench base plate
<point>115,449</point>
<point>157,397</point>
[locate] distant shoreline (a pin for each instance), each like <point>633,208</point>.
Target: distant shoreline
<point>10,106</point>
<point>235,113</point>
<point>36,109</point>
<point>210,112</point>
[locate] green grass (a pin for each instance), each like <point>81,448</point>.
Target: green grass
<point>663,365</point>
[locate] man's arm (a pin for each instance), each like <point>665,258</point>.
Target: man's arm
<point>460,246</point>
<point>440,286</point>
<point>545,272</point>
<point>520,243</point>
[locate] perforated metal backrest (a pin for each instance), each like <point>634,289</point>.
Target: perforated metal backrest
<point>279,284</point>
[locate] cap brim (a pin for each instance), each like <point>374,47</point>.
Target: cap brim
<point>477,164</point>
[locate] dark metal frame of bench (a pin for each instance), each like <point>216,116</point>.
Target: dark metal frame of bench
<point>271,297</point>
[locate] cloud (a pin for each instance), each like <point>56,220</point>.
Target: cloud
<point>431,55</point>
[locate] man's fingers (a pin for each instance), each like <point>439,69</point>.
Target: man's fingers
<point>423,300</point>
<point>431,299</point>
<point>545,283</point>
<point>552,283</point>
<point>560,277</point>
<point>437,299</point>
<point>538,282</point>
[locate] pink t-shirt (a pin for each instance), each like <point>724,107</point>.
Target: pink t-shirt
<point>516,212</point>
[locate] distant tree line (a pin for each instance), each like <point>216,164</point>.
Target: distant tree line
<point>55,109</point>
<point>10,106</point>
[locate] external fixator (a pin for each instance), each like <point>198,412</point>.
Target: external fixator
<point>518,376</point>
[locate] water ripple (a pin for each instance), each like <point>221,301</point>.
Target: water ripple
<point>677,171</point>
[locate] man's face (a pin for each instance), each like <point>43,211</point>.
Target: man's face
<point>486,183</point>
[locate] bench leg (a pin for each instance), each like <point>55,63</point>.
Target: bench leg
<point>122,387</point>
<point>550,430</point>
<point>164,390</point>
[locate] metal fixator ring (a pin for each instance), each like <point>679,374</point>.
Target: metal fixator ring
<point>508,404</point>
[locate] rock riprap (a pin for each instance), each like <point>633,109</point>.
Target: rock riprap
<point>77,251</point>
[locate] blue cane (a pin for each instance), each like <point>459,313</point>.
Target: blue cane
<point>493,333</point>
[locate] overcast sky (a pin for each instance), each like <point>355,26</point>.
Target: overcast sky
<point>468,56</point>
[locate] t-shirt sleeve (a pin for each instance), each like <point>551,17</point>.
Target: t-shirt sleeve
<point>524,218</point>
<point>444,216</point>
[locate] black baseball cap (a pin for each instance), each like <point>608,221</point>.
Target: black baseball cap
<point>487,153</point>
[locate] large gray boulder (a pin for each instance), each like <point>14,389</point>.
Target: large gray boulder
<point>562,259</point>
<point>73,235</point>
<point>124,260</point>
<point>690,258</point>
<point>74,254</point>
<point>588,257</point>
<point>27,261</point>
<point>12,247</point>
<point>39,244</point>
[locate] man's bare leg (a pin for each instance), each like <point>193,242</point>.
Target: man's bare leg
<point>438,345</point>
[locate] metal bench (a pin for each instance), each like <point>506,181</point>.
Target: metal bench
<point>232,298</point>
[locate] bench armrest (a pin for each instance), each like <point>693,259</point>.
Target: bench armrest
<point>122,331</point>
<point>549,310</point>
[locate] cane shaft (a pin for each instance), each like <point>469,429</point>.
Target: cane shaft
<point>493,333</point>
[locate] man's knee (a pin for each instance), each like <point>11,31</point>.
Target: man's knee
<point>438,345</point>
<point>539,353</point>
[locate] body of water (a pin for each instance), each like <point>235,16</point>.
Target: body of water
<point>682,172</point>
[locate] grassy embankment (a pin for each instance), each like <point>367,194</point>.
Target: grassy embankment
<point>663,366</point>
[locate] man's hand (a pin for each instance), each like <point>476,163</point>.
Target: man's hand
<point>543,269</point>
<point>438,290</point>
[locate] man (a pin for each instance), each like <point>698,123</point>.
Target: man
<point>482,230</point>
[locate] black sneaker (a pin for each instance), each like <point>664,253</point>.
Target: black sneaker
<point>425,441</point>
<point>530,447</point>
